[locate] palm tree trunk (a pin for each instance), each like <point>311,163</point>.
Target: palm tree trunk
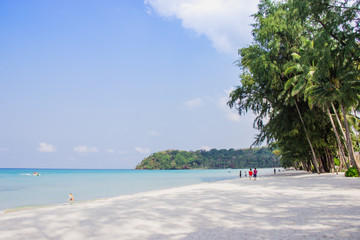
<point>330,160</point>
<point>341,147</point>
<point>315,163</point>
<point>336,134</point>
<point>349,141</point>
<point>321,164</point>
<point>341,161</point>
<point>340,125</point>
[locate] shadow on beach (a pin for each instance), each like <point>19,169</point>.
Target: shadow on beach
<point>289,205</point>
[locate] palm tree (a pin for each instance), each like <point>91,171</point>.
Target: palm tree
<point>320,93</point>
<point>295,86</point>
<point>315,163</point>
<point>336,32</point>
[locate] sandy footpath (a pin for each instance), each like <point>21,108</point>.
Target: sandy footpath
<point>292,205</point>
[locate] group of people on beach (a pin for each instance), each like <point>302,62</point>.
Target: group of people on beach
<point>252,174</point>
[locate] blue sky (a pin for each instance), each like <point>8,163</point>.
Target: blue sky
<point>103,84</point>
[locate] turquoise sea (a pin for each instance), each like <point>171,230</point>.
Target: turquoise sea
<point>20,188</point>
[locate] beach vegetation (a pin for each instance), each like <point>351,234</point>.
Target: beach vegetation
<point>352,172</point>
<point>301,78</point>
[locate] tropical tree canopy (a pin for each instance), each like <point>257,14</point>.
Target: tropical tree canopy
<point>300,76</point>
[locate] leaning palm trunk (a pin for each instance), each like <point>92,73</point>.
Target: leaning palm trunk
<point>336,134</point>
<point>343,134</point>
<point>330,160</point>
<point>349,141</point>
<point>315,163</point>
<point>342,161</point>
<point>340,126</point>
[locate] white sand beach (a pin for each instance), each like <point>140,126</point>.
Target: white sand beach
<point>291,205</point>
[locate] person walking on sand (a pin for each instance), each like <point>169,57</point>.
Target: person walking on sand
<point>250,174</point>
<point>71,197</point>
<point>255,174</point>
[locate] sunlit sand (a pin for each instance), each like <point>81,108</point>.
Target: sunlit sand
<point>290,205</point>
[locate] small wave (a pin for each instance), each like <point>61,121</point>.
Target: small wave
<point>28,207</point>
<point>29,174</point>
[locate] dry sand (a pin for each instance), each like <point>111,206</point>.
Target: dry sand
<point>292,205</point>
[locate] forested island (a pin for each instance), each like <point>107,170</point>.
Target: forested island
<point>213,159</point>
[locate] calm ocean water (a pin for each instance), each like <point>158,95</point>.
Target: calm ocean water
<point>19,188</point>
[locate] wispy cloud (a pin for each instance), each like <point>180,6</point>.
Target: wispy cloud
<point>230,114</point>
<point>193,103</point>
<point>85,149</point>
<point>226,23</point>
<point>122,152</point>
<point>45,147</point>
<point>205,148</point>
<point>3,149</point>
<point>153,133</point>
<point>112,151</point>
<point>142,150</point>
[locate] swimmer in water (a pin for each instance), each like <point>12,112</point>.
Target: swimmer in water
<point>71,197</point>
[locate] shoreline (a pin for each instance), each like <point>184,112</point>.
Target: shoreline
<point>299,206</point>
<point>84,197</point>
<point>40,206</point>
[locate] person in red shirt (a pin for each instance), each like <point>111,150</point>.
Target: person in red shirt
<point>255,174</point>
<point>250,174</point>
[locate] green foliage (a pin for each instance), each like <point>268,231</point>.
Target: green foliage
<point>352,172</point>
<point>213,159</point>
<point>304,58</point>
<point>337,161</point>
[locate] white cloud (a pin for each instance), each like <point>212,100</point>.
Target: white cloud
<point>122,152</point>
<point>226,23</point>
<point>230,114</point>
<point>3,149</point>
<point>85,149</point>
<point>110,150</point>
<point>153,133</point>
<point>197,102</point>
<point>45,147</point>
<point>206,148</point>
<point>142,150</point>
